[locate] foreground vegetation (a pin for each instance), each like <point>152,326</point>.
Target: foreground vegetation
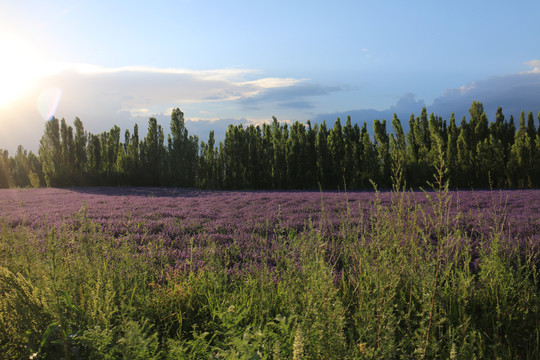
<point>478,154</point>
<point>406,282</point>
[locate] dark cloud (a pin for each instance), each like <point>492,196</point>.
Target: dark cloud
<point>406,105</point>
<point>296,96</point>
<point>514,93</point>
<point>296,105</point>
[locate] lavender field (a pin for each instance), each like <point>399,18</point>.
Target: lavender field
<point>180,273</point>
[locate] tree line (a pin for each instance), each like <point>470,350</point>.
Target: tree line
<point>476,153</point>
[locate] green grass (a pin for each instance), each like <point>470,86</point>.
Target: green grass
<point>404,292</point>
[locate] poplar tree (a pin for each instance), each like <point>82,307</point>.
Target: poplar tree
<point>296,162</point>
<point>464,159</point>
<point>351,137</point>
<point>50,153</point>
<point>152,154</point>
<point>66,172</point>
<point>323,155</point>
<point>267,157</point>
<point>94,159</point>
<point>177,149</point>
<point>5,173</point>
<point>370,163</point>
<point>382,146</point>
<point>253,151</point>
<point>398,149</point>
<point>336,149</point>
<point>520,161</point>
<point>280,135</point>
<point>451,150</point>
<point>80,152</point>
<point>311,156</point>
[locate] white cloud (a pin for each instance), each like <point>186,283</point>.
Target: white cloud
<point>466,88</point>
<point>102,97</point>
<point>268,83</point>
<point>153,90</point>
<point>226,74</point>
<point>535,64</point>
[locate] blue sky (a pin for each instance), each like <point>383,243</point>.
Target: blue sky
<point>120,62</point>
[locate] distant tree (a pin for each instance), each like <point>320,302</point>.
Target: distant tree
<point>370,162</point>
<point>5,171</point>
<point>398,150</point>
<point>520,160</point>
<point>208,168</point>
<point>68,153</point>
<point>437,140</point>
<point>478,123</point>
<point>420,164</point>
<point>336,149</point>
<point>235,157</point>
<point>531,129</point>
<point>451,150</point>
<point>382,146</point>
<point>531,132</point>
<point>110,147</point>
<point>296,153</point>
<point>50,153</point>
<point>490,163</point>
<point>351,139</point>
<point>476,153</point>
<point>211,156</point>
<point>94,159</point>
<point>323,156</point>
<point>122,161</point>
<point>36,174</point>
<point>538,132</point>
<point>20,168</point>
<point>80,152</point>
<point>253,138</point>
<point>536,160</point>
<point>267,157</point>
<point>412,167</point>
<point>153,154</point>
<point>280,135</point>
<point>178,149</point>
<point>311,171</point>
<point>359,155</point>
<point>464,157</point>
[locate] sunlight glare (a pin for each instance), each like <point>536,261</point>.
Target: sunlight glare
<point>18,68</point>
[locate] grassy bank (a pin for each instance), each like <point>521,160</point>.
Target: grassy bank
<point>410,280</point>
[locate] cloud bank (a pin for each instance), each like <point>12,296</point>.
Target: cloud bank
<point>514,93</point>
<point>102,97</point>
<point>213,99</point>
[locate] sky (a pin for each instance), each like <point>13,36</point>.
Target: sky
<point>242,62</point>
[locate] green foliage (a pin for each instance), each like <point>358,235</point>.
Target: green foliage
<point>477,153</point>
<point>22,315</point>
<point>401,288</point>
<point>138,342</point>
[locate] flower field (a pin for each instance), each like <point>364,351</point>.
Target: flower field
<point>172,273</point>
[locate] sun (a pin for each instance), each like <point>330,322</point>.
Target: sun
<point>19,67</point>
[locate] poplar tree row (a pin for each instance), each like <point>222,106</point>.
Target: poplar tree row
<point>476,153</point>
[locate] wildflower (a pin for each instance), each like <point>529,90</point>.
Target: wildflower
<point>362,348</point>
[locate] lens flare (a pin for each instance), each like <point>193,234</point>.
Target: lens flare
<point>48,102</point>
